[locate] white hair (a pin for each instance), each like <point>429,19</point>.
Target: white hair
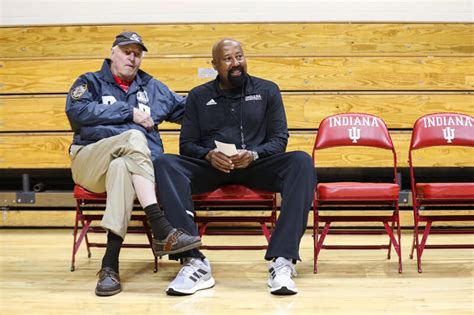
<point>143,52</point>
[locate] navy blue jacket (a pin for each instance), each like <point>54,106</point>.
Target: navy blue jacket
<point>98,108</point>
<point>215,114</point>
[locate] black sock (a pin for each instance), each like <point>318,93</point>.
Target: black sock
<point>111,257</point>
<point>158,222</point>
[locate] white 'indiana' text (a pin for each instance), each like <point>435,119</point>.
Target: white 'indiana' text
<point>353,121</point>
<point>447,121</point>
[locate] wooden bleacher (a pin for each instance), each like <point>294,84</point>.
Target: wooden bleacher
<point>397,71</point>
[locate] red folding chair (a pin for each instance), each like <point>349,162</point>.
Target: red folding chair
<point>440,129</point>
<point>356,130</point>
<point>228,198</point>
<point>87,201</point>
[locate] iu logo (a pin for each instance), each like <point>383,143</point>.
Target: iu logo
<point>354,134</point>
<point>448,134</point>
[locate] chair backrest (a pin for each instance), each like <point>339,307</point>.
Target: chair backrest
<point>442,129</point>
<point>353,129</point>
<point>439,129</point>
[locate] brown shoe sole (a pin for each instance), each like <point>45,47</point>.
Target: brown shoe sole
<point>178,250</point>
<point>107,293</point>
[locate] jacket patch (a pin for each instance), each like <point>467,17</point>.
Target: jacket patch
<point>78,91</point>
<point>256,97</point>
<point>142,97</point>
<point>144,108</point>
<point>108,99</point>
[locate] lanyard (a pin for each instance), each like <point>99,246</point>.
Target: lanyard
<point>242,138</point>
<point>239,121</point>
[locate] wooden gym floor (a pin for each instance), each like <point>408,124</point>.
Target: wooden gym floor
<point>35,279</point>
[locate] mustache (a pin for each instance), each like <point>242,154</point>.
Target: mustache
<point>240,68</point>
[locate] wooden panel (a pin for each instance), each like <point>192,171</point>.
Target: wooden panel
<point>302,74</point>
<point>37,150</point>
<point>304,111</point>
<point>29,150</point>
<point>33,113</point>
<point>288,39</point>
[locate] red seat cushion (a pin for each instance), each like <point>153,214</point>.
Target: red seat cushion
<point>445,190</point>
<point>357,191</point>
<point>82,193</point>
<point>234,192</point>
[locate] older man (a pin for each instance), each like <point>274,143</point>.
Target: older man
<point>114,114</point>
<point>246,111</point>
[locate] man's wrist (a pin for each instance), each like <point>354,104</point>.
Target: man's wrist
<point>254,155</point>
<point>208,156</point>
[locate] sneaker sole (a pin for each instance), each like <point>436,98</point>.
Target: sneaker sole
<point>179,250</point>
<point>107,293</point>
<point>202,286</point>
<point>283,291</point>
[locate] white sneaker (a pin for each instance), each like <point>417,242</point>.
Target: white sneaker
<point>280,280</point>
<point>194,275</point>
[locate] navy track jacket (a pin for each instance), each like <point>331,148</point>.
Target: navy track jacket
<point>98,108</point>
<point>214,114</point>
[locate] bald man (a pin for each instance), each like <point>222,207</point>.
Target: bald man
<point>248,112</point>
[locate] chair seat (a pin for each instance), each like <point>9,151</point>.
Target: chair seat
<point>83,224</point>
<point>445,191</point>
<point>357,191</point>
<point>82,193</point>
<point>234,193</point>
<point>235,196</point>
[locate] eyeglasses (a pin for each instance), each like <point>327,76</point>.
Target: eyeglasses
<point>128,50</point>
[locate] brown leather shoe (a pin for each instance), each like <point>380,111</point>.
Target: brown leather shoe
<point>176,242</point>
<point>108,283</point>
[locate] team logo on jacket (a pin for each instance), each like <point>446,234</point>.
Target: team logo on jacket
<point>142,97</point>
<point>256,97</point>
<point>78,91</point>
<point>211,102</point>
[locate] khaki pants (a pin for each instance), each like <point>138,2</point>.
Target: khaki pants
<point>108,165</point>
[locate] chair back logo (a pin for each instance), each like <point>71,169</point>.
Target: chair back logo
<point>448,134</point>
<point>442,121</point>
<point>354,134</point>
